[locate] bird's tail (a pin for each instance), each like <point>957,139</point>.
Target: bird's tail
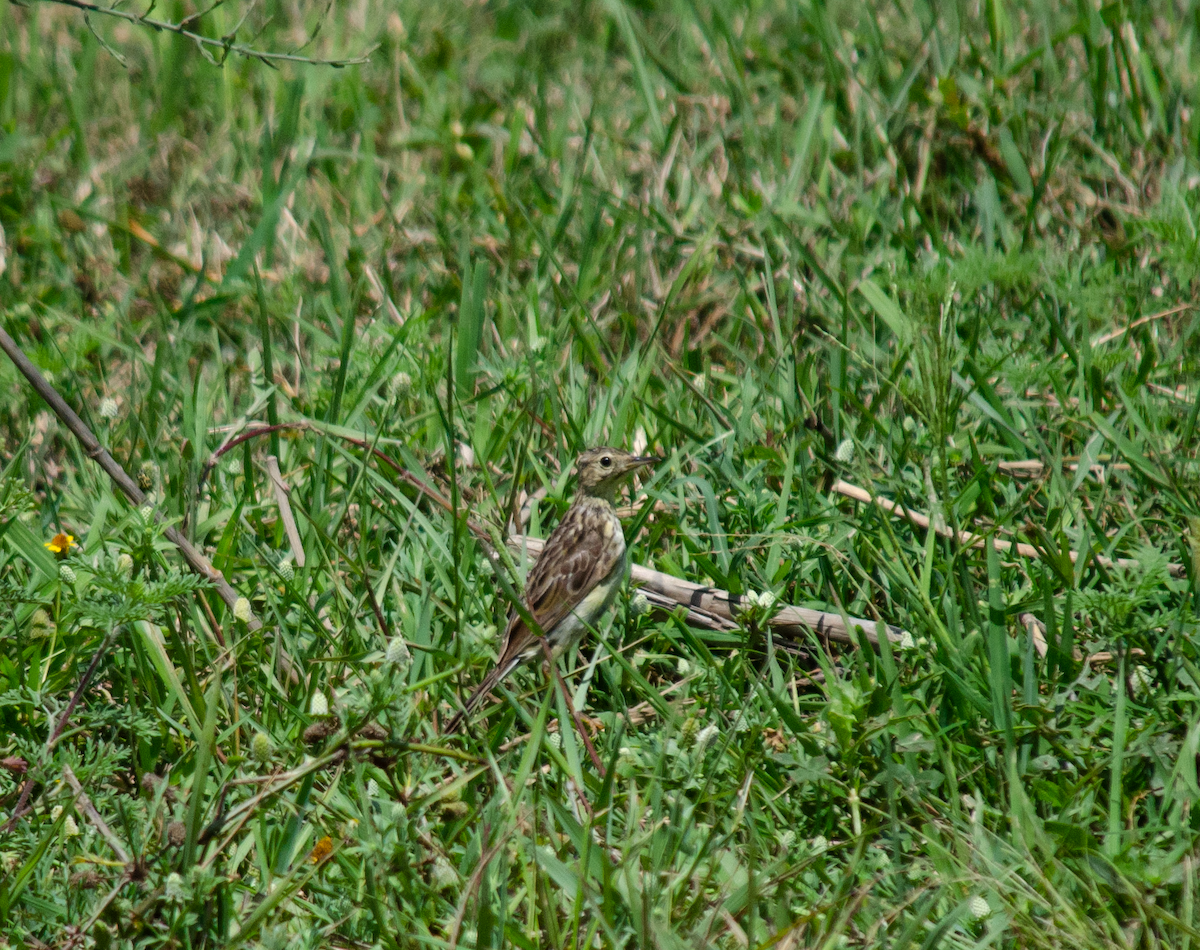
<point>490,682</point>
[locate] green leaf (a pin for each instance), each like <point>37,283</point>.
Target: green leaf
<point>888,310</point>
<point>263,234</point>
<point>1133,455</point>
<point>471,316</point>
<point>26,544</point>
<point>205,744</point>
<point>999,670</point>
<point>152,638</point>
<point>1015,162</point>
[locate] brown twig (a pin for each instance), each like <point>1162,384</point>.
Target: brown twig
<point>95,451</point>
<point>968,539</point>
<point>23,806</point>
<point>97,821</point>
<point>1116,334</point>
<point>713,608</point>
<point>562,687</point>
<point>224,44</point>
<point>473,884</point>
<point>403,473</point>
<point>279,486</point>
<point>77,937</point>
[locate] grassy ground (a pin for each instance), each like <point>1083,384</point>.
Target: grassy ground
<point>781,244</point>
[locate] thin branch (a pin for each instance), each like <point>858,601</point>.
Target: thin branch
<point>93,816</point>
<point>1003,545</point>
<point>224,44</point>
<point>285,510</point>
<point>473,885</point>
<point>711,606</point>
<point>23,806</point>
<point>95,451</point>
<point>79,935</point>
<point>575,718</point>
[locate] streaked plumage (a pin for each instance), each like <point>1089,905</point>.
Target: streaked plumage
<point>578,574</point>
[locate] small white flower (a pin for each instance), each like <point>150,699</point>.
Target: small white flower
<point>125,565</point>
<point>65,574</point>
<point>147,513</point>
<point>108,408</point>
<point>978,907</point>
<point>819,844</point>
<point>55,812</point>
<point>397,651</point>
<point>319,705</point>
<point>372,788</point>
<point>907,642</point>
<point>910,424</point>
<point>555,739</point>
<point>682,666</point>
<point>401,384</point>
<point>845,452</point>
<point>287,571</point>
<point>759,600</point>
<point>787,839</point>
<point>1140,679</point>
<point>173,890</point>
<point>70,829</point>
<point>639,605</point>
<point>241,610</point>
<point>705,736</point>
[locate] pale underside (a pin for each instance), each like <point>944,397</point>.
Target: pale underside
<point>587,613</point>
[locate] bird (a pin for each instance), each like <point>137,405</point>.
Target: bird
<point>578,574</point>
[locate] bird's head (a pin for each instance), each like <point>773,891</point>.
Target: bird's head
<point>601,470</point>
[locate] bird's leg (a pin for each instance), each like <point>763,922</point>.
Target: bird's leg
<point>587,742</point>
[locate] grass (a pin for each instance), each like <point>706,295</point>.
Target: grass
<point>780,243</point>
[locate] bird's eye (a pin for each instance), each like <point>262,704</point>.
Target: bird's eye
<point>606,462</point>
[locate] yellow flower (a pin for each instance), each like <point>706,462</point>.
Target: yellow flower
<point>61,545</point>
<point>321,850</point>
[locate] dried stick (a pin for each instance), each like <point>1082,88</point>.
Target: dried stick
<point>285,510</point>
<point>23,806</point>
<point>98,822</point>
<point>709,603</point>
<point>975,540</point>
<point>562,687</point>
<point>95,451</point>
<point>224,44</point>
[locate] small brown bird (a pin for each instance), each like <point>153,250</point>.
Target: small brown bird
<point>578,574</point>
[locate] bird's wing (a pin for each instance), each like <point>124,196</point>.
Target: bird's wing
<point>577,556</point>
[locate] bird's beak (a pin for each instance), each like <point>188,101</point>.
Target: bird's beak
<point>639,460</point>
